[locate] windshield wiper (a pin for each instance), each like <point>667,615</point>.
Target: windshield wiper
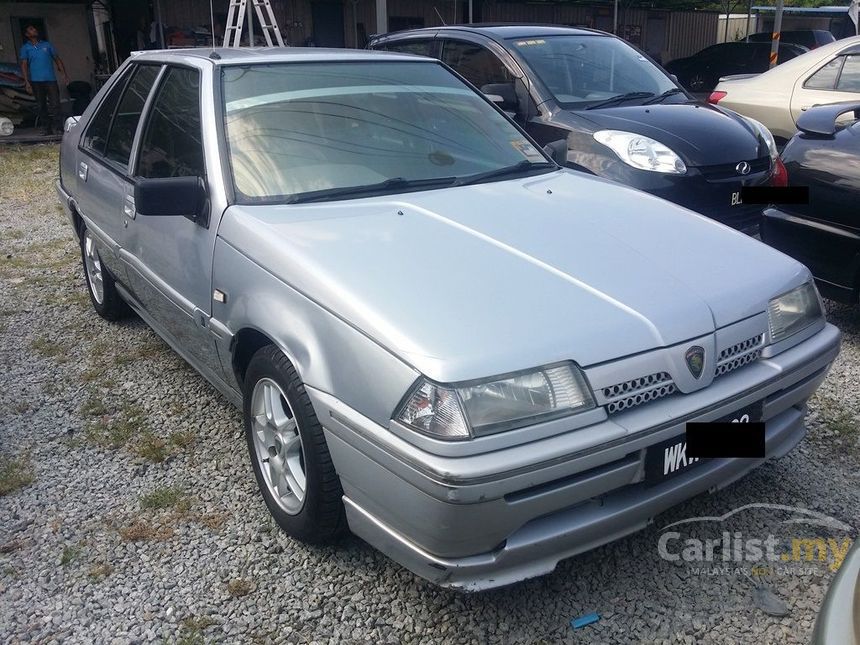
<point>621,97</point>
<point>393,184</point>
<point>664,95</point>
<point>523,166</point>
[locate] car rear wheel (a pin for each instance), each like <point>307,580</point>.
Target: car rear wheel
<point>288,451</point>
<point>100,283</point>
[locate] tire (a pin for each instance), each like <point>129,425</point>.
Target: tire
<point>100,283</point>
<point>279,439</point>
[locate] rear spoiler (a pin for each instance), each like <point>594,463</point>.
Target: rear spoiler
<point>821,119</point>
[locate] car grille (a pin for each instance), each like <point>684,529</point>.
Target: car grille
<point>628,394</point>
<point>729,170</point>
<point>740,354</point>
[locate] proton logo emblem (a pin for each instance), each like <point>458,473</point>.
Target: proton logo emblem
<point>743,168</point>
<point>695,357</point>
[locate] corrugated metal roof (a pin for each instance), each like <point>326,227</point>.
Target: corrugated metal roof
<point>804,10</point>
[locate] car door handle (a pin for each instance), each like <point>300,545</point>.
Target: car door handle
<point>128,207</point>
<point>83,171</point>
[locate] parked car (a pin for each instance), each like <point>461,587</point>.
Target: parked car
<point>838,622</point>
<point>778,97</point>
<point>623,117</point>
<point>809,38</point>
<point>703,70</point>
<point>825,233</point>
<point>473,358</point>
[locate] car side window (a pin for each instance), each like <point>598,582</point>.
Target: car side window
<point>172,144</point>
<point>849,79</point>
<point>476,64</point>
<point>96,136</point>
<point>420,47</point>
<point>128,114</point>
<point>825,77</point>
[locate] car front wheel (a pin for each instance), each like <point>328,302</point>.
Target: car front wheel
<point>288,451</point>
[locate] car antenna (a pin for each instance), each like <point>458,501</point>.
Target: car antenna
<point>444,24</point>
<point>215,55</point>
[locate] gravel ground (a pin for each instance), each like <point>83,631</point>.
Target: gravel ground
<point>130,513</point>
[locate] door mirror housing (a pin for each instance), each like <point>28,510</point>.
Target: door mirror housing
<point>172,196</point>
<point>557,150</point>
<point>502,94</point>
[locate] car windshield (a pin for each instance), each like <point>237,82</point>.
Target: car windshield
<point>333,130</point>
<point>584,70</point>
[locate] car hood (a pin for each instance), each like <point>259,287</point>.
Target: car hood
<point>473,281</point>
<point>702,134</point>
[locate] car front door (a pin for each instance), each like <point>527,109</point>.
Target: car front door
<point>169,258</point>
<point>481,67</point>
<point>103,159</point>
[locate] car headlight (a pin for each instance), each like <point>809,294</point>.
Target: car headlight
<point>793,311</point>
<point>641,152</point>
<point>766,135</point>
<point>496,404</point>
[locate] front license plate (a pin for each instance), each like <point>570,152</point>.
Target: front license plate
<point>668,458</point>
<point>736,199</point>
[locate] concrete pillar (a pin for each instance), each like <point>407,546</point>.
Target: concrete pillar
<point>381,16</point>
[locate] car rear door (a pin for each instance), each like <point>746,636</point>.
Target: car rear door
<point>102,162</point>
<point>834,80</point>
<point>169,258</point>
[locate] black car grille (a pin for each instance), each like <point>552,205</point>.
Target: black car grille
<point>729,170</point>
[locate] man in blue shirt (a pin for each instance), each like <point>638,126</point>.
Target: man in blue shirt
<point>37,63</point>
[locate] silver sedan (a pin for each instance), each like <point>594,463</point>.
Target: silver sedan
<point>479,362</point>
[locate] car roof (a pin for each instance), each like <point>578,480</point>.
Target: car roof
<point>248,55</point>
<point>502,31</point>
<point>800,64</point>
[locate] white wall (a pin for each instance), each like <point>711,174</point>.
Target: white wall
<point>67,30</point>
<point>738,27</point>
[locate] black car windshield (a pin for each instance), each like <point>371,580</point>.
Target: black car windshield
<point>581,70</point>
<point>335,130</point>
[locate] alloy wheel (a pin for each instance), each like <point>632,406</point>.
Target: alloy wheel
<point>278,445</point>
<point>93,268</point>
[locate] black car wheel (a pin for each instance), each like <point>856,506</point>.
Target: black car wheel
<point>100,283</point>
<point>288,451</point>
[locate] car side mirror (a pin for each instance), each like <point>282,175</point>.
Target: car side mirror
<point>675,79</point>
<point>557,151</point>
<point>502,94</point>
<point>172,196</point>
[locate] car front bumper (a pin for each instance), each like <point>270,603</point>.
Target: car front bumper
<point>480,521</point>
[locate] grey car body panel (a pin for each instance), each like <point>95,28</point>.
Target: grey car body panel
<point>613,268</point>
<point>838,622</point>
<point>366,295</point>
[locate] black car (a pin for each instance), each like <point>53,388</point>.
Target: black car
<point>824,234</point>
<point>622,116</point>
<point>809,38</point>
<point>702,71</point>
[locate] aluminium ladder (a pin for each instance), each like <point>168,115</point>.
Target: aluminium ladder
<point>236,21</point>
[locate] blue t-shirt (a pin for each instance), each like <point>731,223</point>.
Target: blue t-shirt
<point>40,59</point>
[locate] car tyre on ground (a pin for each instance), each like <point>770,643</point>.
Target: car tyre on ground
<point>288,451</point>
<point>100,283</point>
